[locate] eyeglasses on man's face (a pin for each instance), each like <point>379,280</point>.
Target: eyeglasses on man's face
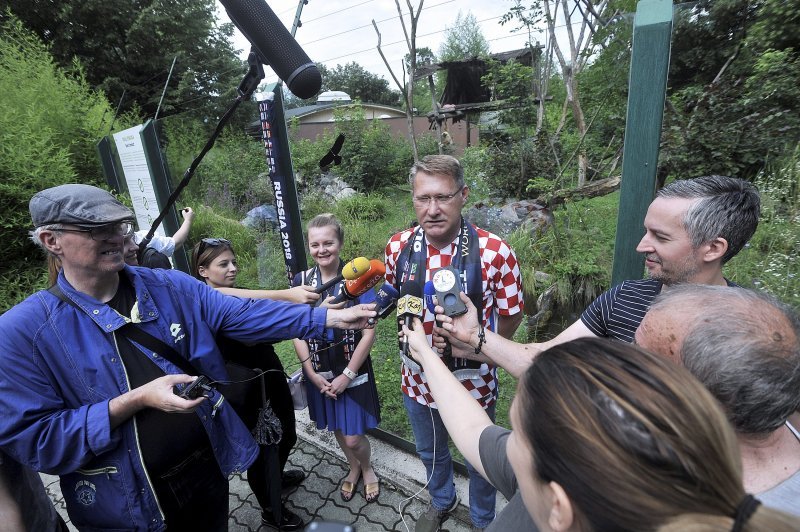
<point>440,199</point>
<point>105,232</point>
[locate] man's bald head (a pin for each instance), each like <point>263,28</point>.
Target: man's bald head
<point>743,345</point>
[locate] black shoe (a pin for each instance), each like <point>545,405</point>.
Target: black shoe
<point>289,520</point>
<point>291,478</point>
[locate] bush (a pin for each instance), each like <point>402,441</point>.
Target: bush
<point>769,261</point>
<point>41,145</point>
<point>232,176</point>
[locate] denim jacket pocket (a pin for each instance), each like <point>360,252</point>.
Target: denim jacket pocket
<point>98,497</point>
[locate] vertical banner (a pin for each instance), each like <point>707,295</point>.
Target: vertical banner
<point>133,161</point>
<point>279,166</point>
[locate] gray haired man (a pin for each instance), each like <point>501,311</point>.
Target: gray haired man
<point>744,346</point>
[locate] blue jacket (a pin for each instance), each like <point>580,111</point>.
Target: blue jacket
<point>59,368</point>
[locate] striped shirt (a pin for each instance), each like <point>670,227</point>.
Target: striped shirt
<point>618,312</point>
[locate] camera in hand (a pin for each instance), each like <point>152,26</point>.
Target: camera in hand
<point>448,286</point>
<point>197,388</point>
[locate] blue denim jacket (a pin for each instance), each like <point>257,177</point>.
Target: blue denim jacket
<point>59,368</point>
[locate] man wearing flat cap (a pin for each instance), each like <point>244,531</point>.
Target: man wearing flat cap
<point>85,398</point>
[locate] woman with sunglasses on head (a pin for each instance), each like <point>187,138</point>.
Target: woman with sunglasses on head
<point>606,436</point>
<point>214,262</point>
<point>342,395</point>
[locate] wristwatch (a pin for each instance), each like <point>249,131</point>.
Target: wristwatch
<point>347,372</point>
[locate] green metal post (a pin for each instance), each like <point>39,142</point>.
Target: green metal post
<point>647,87</point>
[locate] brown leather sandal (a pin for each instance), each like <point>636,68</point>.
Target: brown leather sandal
<point>372,491</point>
<point>348,489</point>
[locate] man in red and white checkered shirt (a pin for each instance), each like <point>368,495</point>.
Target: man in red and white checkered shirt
<point>443,237</point>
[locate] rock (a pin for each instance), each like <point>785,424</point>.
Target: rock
<point>344,193</point>
<point>505,219</point>
<point>261,218</point>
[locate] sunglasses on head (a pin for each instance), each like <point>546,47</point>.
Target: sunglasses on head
<point>214,242</point>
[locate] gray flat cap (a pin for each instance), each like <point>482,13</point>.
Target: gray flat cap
<point>77,205</point>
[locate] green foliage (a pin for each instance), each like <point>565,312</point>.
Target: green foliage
<point>360,84</point>
<point>128,47</point>
<point>769,261</point>
<point>232,176</point>
<point>578,251</point>
<point>42,144</point>
<point>733,105</point>
<point>463,40</point>
<point>474,161</point>
<point>372,157</point>
<point>512,165</point>
<point>360,214</point>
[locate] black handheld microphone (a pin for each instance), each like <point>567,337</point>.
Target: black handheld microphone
<point>409,306</point>
<point>275,45</point>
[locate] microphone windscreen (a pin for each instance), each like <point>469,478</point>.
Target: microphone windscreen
<point>430,291</point>
<point>367,280</point>
<point>275,45</point>
<point>356,268</point>
<point>411,288</point>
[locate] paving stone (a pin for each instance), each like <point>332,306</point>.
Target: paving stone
<point>317,497</point>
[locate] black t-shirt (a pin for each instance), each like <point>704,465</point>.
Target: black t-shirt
<point>165,439</point>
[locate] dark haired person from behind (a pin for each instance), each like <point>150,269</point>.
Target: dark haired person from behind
<point>83,398</point>
<point>606,436</point>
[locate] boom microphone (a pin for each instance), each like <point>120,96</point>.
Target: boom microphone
<point>275,45</point>
<point>352,270</point>
<point>409,306</point>
<point>366,281</point>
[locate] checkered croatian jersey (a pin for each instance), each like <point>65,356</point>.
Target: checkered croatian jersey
<point>502,295</point>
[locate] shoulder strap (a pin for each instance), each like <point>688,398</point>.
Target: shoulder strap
<point>132,332</point>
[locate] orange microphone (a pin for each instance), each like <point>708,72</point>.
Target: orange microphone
<point>352,270</point>
<point>354,288</point>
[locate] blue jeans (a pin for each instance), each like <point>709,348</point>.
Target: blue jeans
<point>441,487</point>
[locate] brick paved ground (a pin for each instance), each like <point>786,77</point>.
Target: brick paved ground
<point>317,498</point>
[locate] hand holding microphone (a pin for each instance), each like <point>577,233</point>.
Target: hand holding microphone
<point>409,306</point>
<point>352,270</point>
<point>366,281</point>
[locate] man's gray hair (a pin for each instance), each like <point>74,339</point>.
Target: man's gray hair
<point>438,165</point>
<point>34,235</point>
<point>729,208</point>
<point>744,346</point>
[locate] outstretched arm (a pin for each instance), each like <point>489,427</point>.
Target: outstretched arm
<point>461,413</point>
<point>298,294</point>
<point>509,355</point>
